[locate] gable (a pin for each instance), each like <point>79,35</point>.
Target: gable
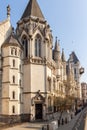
<point>38,97</point>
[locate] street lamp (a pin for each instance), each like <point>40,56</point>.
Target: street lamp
<point>81,70</point>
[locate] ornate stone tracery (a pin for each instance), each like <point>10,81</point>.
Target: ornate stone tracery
<point>38,98</point>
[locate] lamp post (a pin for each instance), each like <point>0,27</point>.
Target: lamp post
<point>57,77</point>
<point>81,70</point>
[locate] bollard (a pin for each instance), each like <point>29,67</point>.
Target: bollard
<point>62,121</point>
<point>66,120</point>
<point>58,122</point>
<point>47,126</point>
<point>76,128</point>
<point>71,116</point>
<point>42,127</point>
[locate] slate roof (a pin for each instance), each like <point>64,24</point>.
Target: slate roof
<point>57,46</point>
<point>32,9</point>
<point>3,22</point>
<point>11,40</point>
<point>63,56</point>
<point>74,57</point>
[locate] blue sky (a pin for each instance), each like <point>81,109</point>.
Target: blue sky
<point>67,19</point>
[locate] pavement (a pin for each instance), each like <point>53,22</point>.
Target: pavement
<point>70,125</point>
<point>79,122</point>
<point>38,125</point>
<point>85,127</point>
<point>26,126</point>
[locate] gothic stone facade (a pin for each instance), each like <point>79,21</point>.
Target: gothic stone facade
<point>32,74</point>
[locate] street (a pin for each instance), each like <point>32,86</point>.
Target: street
<point>25,126</point>
<point>79,122</point>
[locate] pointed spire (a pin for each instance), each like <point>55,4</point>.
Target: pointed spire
<point>8,11</point>
<point>13,31</point>
<point>56,51</point>
<point>57,46</point>
<point>32,9</point>
<point>63,56</point>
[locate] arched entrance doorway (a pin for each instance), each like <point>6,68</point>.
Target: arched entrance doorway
<point>38,101</point>
<point>38,111</point>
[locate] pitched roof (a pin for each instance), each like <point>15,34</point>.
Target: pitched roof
<point>32,9</point>
<point>3,22</point>
<point>57,46</point>
<point>74,57</point>
<point>63,56</point>
<point>11,40</point>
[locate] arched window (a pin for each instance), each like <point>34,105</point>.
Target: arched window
<point>20,82</point>
<point>20,97</point>
<point>49,83</point>
<point>59,87</point>
<point>49,101</point>
<point>13,79</point>
<point>13,95</point>
<point>20,67</point>
<point>38,46</point>
<point>13,109</point>
<point>49,104</point>
<point>54,86</point>
<point>11,51</point>
<point>25,44</point>
<point>13,63</point>
<point>15,51</point>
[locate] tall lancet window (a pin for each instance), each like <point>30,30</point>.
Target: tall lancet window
<point>38,46</point>
<point>25,44</point>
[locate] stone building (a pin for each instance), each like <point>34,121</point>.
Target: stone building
<point>77,70</point>
<point>32,73</point>
<point>84,92</point>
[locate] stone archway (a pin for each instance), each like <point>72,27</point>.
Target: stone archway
<point>38,102</point>
<point>38,111</point>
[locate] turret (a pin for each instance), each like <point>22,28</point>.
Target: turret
<point>8,11</point>
<point>64,64</point>
<point>56,51</point>
<point>63,56</point>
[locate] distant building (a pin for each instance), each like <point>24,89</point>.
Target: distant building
<point>84,92</point>
<point>77,70</point>
<point>33,73</point>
